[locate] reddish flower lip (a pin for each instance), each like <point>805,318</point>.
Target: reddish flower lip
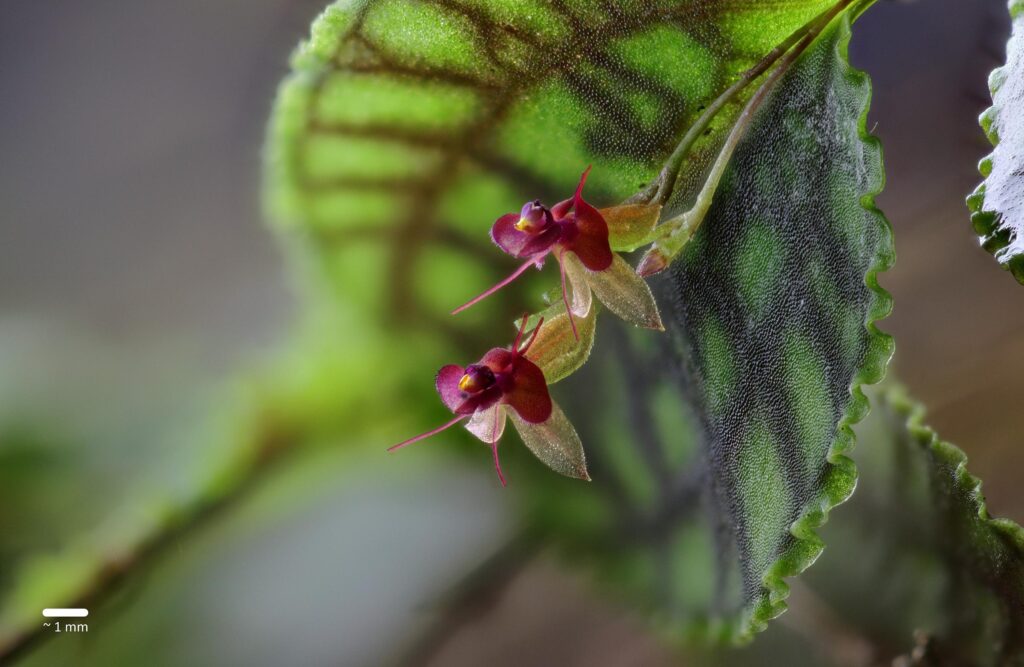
<point>529,242</point>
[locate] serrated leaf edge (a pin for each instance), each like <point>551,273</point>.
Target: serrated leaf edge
<point>840,479</point>
<point>913,413</point>
<point>986,223</point>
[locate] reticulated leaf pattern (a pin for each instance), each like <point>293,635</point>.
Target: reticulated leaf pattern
<point>727,443</point>
<point>409,126</point>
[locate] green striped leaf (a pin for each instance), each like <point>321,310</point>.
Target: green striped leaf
<point>715,452</point>
<point>997,205</point>
<point>797,241</point>
<point>408,126</point>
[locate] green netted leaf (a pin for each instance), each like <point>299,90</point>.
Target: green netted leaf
<point>997,206</point>
<point>716,451</point>
<point>780,291</point>
<point>408,127</point>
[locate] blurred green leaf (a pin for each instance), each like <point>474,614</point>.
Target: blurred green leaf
<point>302,401</point>
<point>984,555</point>
<point>919,539</point>
<point>997,205</point>
<point>35,505</point>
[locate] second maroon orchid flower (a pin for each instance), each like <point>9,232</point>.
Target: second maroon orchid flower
<point>513,383</point>
<point>582,239</point>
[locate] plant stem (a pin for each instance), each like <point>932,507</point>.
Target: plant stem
<point>468,600</point>
<point>268,448</point>
<point>661,188</point>
<point>675,233</point>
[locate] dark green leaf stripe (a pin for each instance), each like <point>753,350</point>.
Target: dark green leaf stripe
<point>781,291</point>
<point>772,335</point>
<point>997,206</point>
<point>408,126</point>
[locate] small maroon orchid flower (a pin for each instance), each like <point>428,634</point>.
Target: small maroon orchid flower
<point>582,239</point>
<point>505,383</point>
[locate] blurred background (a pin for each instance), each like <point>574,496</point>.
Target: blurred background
<point>137,278</point>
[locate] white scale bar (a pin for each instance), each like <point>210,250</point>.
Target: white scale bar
<point>65,613</point>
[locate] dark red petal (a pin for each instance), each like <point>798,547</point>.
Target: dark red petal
<point>562,208</point>
<point>447,383</point>
<point>506,236</point>
<point>498,359</point>
<point>521,244</point>
<point>591,246</point>
<point>528,395</point>
<point>541,243</point>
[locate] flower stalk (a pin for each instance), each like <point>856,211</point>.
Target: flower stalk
<point>673,235</point>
